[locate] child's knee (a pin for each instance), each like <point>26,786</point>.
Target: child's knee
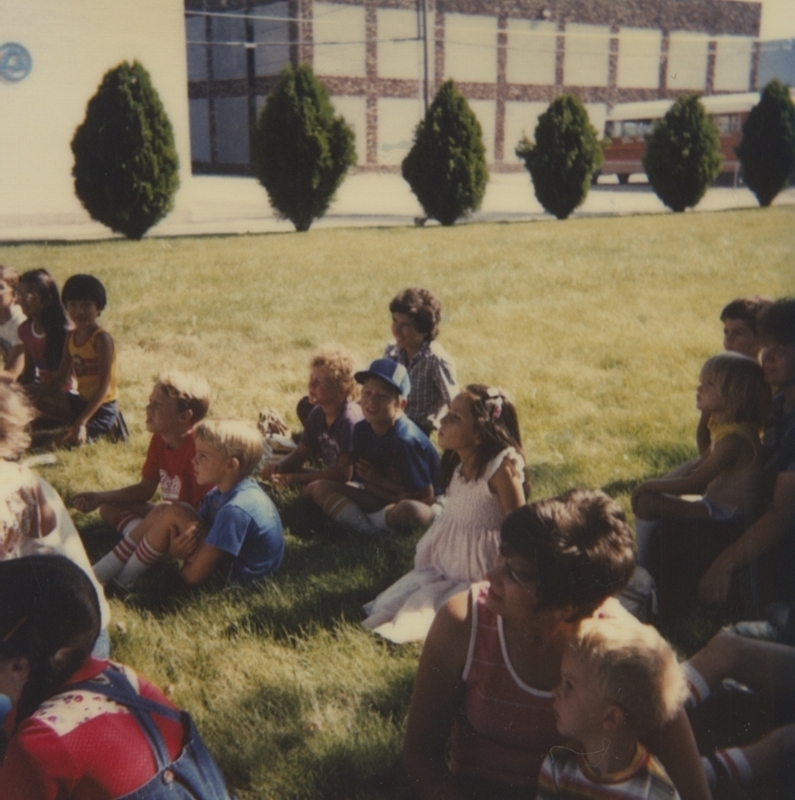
<point>408,514</point>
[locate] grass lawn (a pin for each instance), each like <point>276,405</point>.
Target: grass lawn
<point>596,327</point>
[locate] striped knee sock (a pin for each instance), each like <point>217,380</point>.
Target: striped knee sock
<point>697,687</point>
<point>727,767</point>
<point>141,560</point>
<point>128,523</point>
<point>343,510</point>
<point>113,563</point>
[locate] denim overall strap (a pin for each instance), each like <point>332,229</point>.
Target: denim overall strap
<point>120,690</point>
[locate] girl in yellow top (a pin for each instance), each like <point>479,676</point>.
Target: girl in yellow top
<point>733,392</point>
<point>89,354</point>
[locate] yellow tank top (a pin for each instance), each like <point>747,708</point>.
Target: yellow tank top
<point>86,367</point>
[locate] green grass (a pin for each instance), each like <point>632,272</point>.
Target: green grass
<point>596,327</point>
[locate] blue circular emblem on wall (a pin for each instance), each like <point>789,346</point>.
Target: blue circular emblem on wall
<point>15,62</point>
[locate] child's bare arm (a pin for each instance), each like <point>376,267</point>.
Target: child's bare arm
<point>198,567</point>
<point>141,492</point>
<point>14,364</point>
<point>47,518</point>
<point>104,347</point>
<point>703,437</point>
<point>506,483</point>
<point>729,453</point>
<point>341,472</point>
<point>287,465</point>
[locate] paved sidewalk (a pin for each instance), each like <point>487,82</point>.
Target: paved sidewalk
<point>220,205</point>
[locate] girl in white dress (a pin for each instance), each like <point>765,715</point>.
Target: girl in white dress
<point>483,475</point>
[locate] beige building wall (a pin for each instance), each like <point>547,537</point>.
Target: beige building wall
<point>72,44</point>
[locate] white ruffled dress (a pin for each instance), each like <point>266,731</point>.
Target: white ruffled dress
<point>455,552</point>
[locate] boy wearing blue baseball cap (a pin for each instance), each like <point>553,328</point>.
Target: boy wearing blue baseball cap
<point>396,466</point>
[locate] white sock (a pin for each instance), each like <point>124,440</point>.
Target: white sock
<point>112,564</point>
<point>141,560</point>
<point>735,763</point>
<point>343,510</point>
<point>128,525</point>
<point>696,685</point>
<point>644,528</point>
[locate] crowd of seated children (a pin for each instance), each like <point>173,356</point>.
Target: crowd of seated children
<point>396,468</point>
<point>416,314</point>
<point>43,335</point>
<point>328,429</point>
<point>542,642</point>
<point>773,533</point>
<point>482,476</point>
<point>236,532</point>
<point>11,317</point>
<point>178,402</point>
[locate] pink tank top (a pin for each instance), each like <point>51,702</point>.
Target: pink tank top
<point>505,728</point>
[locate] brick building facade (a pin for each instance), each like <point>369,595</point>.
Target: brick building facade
<point>383,60</point>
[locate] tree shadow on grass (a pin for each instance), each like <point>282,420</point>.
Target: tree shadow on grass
<point>325,581</point>
<point>283,741</point>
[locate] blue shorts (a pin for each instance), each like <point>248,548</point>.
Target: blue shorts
<point>107,419</point>
<point>718,513</point>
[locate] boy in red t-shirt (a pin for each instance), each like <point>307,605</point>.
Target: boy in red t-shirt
<point>178,402</point>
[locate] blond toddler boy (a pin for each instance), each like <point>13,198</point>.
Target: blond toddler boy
<point>620,680</point>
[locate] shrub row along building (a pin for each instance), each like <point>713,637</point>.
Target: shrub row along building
<point>383,60</point>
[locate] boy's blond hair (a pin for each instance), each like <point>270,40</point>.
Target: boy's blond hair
<point>233,438</point>
<point>16,413</point>
<point>191,392</point>
<point>636,669</point>
<point>742,387</point>
<point>340,365</point>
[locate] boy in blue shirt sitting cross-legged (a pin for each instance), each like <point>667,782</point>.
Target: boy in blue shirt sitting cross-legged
<point>396,466</point>
<point>237,529</point>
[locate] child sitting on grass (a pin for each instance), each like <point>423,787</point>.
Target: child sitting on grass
<point>237,530</point>
<point>397,467</point>
<point>732,390</point>
<point>177,403</point>
<point>415,325</point>
<point>618,682</point>
<point>43,335</point>
<point>11,316</point>
<point>740,335</point>
<point>328,431</point>
<point>89,354</point>
<point>482,474</point>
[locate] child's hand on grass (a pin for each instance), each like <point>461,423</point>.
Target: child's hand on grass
<point>87,501</point>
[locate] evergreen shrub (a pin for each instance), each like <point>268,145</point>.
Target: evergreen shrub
<point>683,154</point>
<point>301,151</point>
<point>446,166</point>
<point>565,156</point>
<point>126,169</point>
<point>767,149</point>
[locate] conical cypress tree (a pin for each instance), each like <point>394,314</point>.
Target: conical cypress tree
<point>683,154</point>
<point>767,149</point>
<point>446,167</point>
<point>301,151</point>
<point>565,155</point>
<point>126,167</point>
